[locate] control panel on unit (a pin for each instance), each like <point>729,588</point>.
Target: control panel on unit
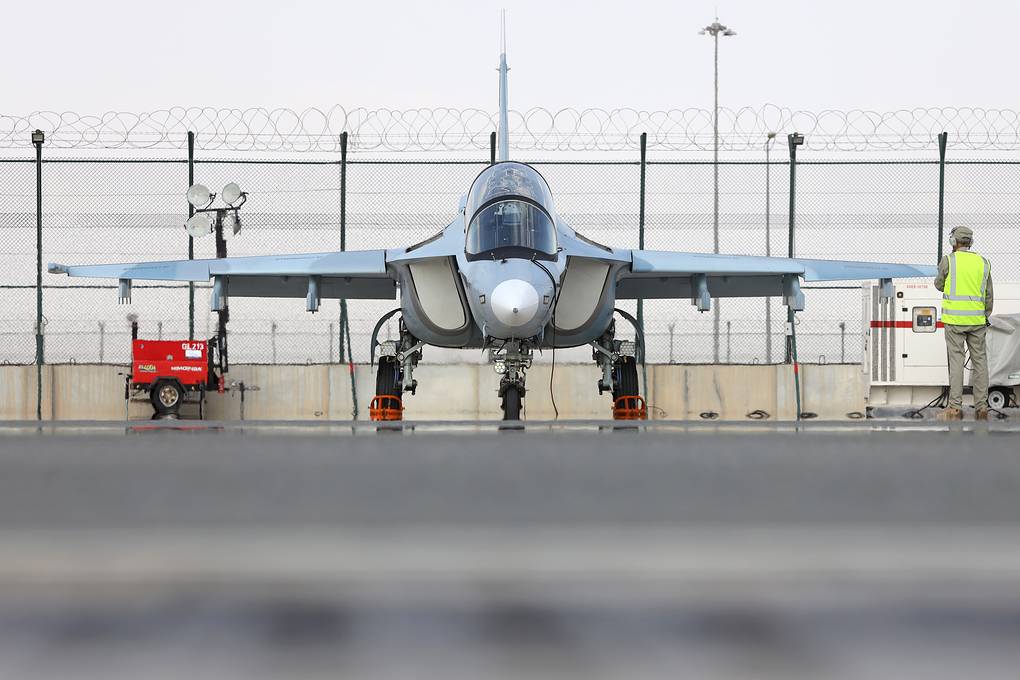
<point>924,319</point>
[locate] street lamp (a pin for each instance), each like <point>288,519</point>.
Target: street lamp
<point>715,29</point>
<point>769,141</point>
<point>793,140</point>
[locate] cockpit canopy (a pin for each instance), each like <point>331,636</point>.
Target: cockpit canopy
<point>509,211</point>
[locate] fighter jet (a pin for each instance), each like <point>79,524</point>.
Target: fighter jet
<point>507,274</point>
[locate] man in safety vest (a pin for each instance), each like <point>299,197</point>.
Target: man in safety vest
<point>965,280</point>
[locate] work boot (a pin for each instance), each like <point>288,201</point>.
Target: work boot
<point>950,414</point>
<point>981,414</point>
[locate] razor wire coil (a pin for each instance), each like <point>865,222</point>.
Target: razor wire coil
<point>536,129</point>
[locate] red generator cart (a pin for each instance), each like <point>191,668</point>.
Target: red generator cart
<point>171,369</point>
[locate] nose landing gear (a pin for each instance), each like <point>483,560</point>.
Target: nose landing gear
<point>511,360</point>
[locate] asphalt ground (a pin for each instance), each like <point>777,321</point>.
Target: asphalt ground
<point>566,550</point>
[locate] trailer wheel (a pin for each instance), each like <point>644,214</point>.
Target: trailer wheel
<point>166,396</point>
<point>998,397</point>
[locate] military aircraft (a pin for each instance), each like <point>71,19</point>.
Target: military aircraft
<point>508,275</point>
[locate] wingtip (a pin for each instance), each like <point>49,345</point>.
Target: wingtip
<point>54,268</point>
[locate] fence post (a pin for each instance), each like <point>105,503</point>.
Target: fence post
<point>191,239</point>
<point>729,340</point>
<point>345,328</point>
<point>768,241</point>
<point>272,339</point>
<point>492,148</point>
<point>641,246</point>
<point>38,138</point>
<point>842,342</point>
<point>102,341</point>
<point>943,140</point>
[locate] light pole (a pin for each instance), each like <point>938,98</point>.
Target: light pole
<point>793,140</point>
<point>769,141</point>
<point>715,29</point>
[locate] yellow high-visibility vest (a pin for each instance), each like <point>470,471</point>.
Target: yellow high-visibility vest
<point>963,298</point>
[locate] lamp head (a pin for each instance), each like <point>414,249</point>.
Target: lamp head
<point>199,196</point>
<point>231,193</point>
<point>198,225</point>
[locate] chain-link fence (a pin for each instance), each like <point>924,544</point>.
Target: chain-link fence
<point>128,209</point>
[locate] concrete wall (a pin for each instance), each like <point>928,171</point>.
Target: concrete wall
<point>447,392</point>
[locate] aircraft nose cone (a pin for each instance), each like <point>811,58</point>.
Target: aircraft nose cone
<point>514,302</point>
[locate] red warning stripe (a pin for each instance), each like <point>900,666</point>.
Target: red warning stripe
<point>898,324</point>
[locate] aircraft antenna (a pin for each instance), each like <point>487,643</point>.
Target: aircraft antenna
<point>503,144</point>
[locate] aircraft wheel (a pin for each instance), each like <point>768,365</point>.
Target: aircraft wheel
<point>512,402</point>
<point>625,378</point>
<point>166,397</point>
<point>387,377</point>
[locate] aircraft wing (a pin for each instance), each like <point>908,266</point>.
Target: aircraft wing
<point>349,274</point>
<point>698,276</point>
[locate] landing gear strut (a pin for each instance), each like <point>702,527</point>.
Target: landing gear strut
<point>395,375</point>
<point>617,359</point>
<point>511,360</point>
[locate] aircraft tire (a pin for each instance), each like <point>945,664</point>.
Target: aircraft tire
<point>512,402</point>
<point>387,377</point>
<point>625,378</point>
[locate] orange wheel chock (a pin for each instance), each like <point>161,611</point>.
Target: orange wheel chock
<point>386,407</point>
<point>630,408</point>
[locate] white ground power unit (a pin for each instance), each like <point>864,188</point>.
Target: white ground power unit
<point>905,349</point>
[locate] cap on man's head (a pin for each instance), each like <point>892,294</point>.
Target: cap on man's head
<point>962,235</point>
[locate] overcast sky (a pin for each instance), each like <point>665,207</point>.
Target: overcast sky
<point>877,54</point>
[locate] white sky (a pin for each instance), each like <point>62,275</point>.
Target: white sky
<point>814,54</point>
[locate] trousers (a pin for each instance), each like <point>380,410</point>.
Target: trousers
<point>974,339</point>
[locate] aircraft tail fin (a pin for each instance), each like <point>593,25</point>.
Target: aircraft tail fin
<point>503,135</point>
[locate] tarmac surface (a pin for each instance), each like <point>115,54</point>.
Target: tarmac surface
<point>868,549</point>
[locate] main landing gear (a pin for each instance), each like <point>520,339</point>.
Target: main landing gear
<point>618,361</point>
<point>395,375</point>
<point>398,359</point>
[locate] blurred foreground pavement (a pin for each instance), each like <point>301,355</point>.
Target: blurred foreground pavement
<point>563,551</point>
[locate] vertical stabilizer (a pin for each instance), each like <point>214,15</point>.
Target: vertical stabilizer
<point>503,136</point>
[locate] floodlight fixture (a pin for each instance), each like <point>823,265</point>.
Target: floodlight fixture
<point>38,137</point>
<point>796,139</point>
<point>198,225</point>
<point>716,29</point>
<point>231,222</point>
<point>231,193</point>
<point>199,196</point>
